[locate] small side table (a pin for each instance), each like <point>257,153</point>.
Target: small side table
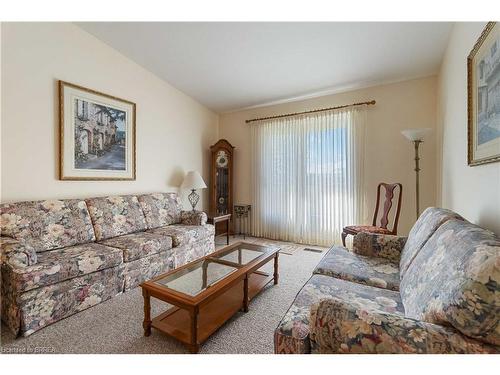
<point>242,214</point>
<point>214,219</point>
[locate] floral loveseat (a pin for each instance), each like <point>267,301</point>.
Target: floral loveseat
<point>62,256</point>
<point>436,291</point>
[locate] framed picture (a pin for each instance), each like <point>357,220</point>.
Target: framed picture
<point>97,135</point>
<point>483,90</point>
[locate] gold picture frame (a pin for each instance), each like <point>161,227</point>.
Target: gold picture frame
<point>97,135</point>
<point>483,98</point>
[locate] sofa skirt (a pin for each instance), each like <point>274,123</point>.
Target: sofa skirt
<point>30,311</point>
<point>142,269</point>
<point>146,268</point>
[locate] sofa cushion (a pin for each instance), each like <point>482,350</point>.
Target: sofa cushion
<point>138,245</point>
<point>292,333</point>
<point>62,264</point>
<point>47,225</point>
<point>185,234</point>
<point>374,271</point>
<point>161,209</point>
<point>116,215</point>
<point>454,280</point>
<point>337,326</point>
<point>422,230</point>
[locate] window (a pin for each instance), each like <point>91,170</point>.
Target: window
<point>307,176</point>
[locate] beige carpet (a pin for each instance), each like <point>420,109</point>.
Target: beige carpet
<point>115,326</point>
<point>288,248</point>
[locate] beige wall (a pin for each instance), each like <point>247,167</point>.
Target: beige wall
<point>389,156</point>
<point>474,192</point>
<point>173,131</point>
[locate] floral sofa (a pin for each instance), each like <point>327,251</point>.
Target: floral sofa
<point>436,291</point>
<point>59,257</point>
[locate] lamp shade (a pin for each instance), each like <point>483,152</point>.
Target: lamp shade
<point>193,180</point>
<point>416,134</point>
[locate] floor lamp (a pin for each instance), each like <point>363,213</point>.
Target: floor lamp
<point>416,136</point>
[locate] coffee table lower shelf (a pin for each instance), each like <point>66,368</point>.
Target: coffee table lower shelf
<point>178,323</point>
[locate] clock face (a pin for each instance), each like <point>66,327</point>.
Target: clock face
<point>222,159</point>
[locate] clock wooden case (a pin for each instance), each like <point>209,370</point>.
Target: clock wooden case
<point>221,183</point>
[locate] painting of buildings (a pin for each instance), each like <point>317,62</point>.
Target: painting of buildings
<point>100,136</point>
<point>488,94</point>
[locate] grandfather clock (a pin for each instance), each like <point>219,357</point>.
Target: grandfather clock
<point>221,183</point>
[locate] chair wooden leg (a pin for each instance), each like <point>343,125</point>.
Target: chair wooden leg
<point>344,235</point>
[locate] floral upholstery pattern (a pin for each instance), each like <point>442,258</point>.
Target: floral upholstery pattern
<point>430,220</point>
<point>115,216</point>
<point>52,266</point>
<point>47,225</point>
<point>62,264</point>
<point>146,268</point>
<point>339,325</point>
<point>448,300</point>
<point>343,264</point>
<point>366,228</point>
<point>161,209</point>
<point>379,245</point>
<point>193,218</point>
<point>188,253</point>
<point>185,234</point>
<point>292,334</point>
<point>142,269</point>
<point>138,245</point>
<point>30,311</point>
<point>16,253</point>
<point>455,280</point>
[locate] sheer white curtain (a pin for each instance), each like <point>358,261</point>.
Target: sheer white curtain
<point>307,175</point>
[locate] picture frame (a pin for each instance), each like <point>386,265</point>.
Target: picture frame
<point>97,135</point>
<point>483,98</point>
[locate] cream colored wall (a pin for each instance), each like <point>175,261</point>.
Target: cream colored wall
<point>389,156</point>
<point>174,132</point>
<point>474,192</point>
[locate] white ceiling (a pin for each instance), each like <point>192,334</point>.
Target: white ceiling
<point>227,66</point>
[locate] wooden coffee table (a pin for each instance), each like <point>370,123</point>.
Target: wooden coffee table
<point>207,292</point>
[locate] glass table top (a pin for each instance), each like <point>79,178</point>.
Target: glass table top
<point>196,278</point>
<point>201,275</point>
<point>240,255</point>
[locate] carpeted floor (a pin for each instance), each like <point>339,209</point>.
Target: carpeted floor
<point>288,248</point>
<point>115,326</point>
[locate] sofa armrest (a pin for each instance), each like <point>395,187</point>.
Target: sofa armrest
<point>340,327</point>
<point>379,245</point>
<point>193,217</point>
<point>17,254</point>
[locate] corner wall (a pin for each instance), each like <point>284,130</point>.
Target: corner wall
<point>473,192</point>
<point>174,132</point>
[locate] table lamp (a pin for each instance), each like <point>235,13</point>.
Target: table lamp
<point>193,181</point>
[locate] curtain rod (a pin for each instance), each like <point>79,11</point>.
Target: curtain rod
<point>371,102</point>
